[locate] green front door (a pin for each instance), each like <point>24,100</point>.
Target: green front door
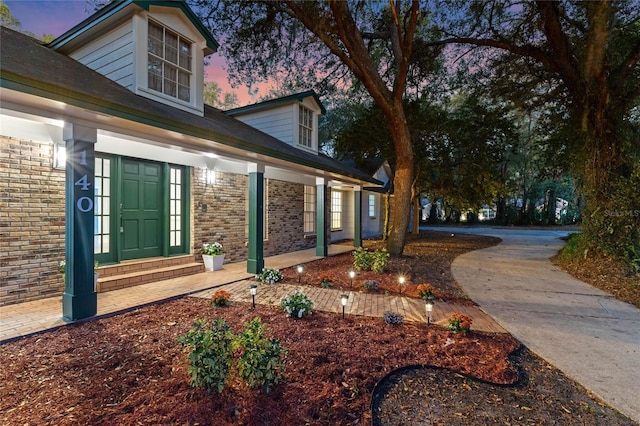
<point>142,209</point>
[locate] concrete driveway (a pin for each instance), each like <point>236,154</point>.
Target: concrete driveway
<point>585,332</point>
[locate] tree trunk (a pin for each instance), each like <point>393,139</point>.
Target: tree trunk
<point>402,180</point>
<point>387,213</point>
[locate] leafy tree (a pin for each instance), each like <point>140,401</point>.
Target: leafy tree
<point>331,41</point>
<point>214,96</point>
<point>8,20</point>
<point>582,56</point>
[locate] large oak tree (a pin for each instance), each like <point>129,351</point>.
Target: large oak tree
<point>373,41</point>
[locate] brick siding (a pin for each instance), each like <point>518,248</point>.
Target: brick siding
<point>31,222</point>
<point>32,219</point>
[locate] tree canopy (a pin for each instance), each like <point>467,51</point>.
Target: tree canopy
<point>581,59</point>
<point>332,43</point>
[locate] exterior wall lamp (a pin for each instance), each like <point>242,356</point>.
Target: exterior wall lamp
<point>211,176</point>
<point>59,156</point>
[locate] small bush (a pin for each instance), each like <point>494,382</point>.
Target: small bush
<point>211,353</point>
<point>269,276</point>
<point>261,362</point>
<point>296,305</point>
<point>370,261</point>
<point>459,322</point>
<point>380,259</point>
<point>362,259</point>
<point>326,280</point>
<point>220,298</point>
<point>392,318</point>
<point>370,285</point>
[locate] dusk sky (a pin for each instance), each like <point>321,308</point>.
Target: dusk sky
<point>57,16</point>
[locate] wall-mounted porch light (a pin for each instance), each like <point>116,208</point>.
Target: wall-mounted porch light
<point>211,176</point>
<point>59,156</point>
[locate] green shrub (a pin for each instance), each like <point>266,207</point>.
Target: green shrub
<point>211,353</point>
<point>296,305</point>
<point>380,258</point>
<point>364,260</point>
<point>261,362</point>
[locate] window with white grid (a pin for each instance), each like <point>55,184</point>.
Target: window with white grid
<point>336,210</point>
<point>309,209</point>
<point>372,205</point>
<point>169,62</point>
<point>175,207</point>
<point>102,202</point>
<point>305,127</point>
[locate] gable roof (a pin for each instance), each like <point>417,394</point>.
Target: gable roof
<point>299,97</point>
<point>27,66</point>
<point>117,8</point>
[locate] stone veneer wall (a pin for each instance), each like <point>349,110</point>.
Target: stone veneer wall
<point>32,221</point>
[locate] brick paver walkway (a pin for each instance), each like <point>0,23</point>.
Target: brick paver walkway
<point>27,318</point>
<point>359,303</point>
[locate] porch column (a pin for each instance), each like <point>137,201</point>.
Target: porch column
<point>255,262</point>
<point>357,217</point>
<point>79,299</point>
<point>322,234</point>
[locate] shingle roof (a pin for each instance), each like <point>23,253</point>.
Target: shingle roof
<point>26,65</point>
<point>114,7</point>
<point>278,101</point>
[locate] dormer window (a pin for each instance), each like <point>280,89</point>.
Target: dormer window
<point>169,66</point>
<point>305,124</point>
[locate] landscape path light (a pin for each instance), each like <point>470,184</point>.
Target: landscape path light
<point>352,275</point>
<point>299,270</point>
<point>253,289</point>
<point>401,281</point>
<point>343,300</point>
<point>429,307</point>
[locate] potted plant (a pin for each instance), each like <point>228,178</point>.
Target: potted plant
<point>213,256</point>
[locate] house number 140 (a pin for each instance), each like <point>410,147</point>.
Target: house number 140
<point>84,204</point>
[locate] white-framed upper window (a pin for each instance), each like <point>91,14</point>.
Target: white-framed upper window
<point>169,62</point>
<point>336,210</point>
<point>372,205</point>
<point>309,209</point>
<point>305,126</point>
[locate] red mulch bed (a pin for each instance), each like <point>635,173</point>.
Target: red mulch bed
<point>129,370</point>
